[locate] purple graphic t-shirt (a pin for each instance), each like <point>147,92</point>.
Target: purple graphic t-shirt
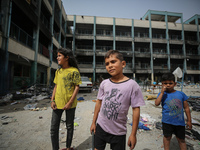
<point>116,100</point>
<point>172,104</point>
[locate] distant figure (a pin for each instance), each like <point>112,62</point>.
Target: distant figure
<point>173,105</point>
<point>147,83</point>
<point>67,80</point>
<point>114,98</point>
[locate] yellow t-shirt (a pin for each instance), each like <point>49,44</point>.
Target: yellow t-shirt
<point>66,79</point>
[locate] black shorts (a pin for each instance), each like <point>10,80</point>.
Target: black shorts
<point>117,142</point>
<point>169,129</point>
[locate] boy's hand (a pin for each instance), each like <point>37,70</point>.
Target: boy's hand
<point>67,106</point>
<point>132,141</point>
<point>53,105</point>
<point>163,89</point>
<point>93,128</point>
<point>189,125</point>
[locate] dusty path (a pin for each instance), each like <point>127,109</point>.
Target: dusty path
<point>30,130</point>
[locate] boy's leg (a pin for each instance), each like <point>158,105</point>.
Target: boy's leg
<point>70,126</point>
<point>182,144</point>
<point>168,130</point>
<point>55,124</point>
<point>166,142</point>
<point>118,142</point>
<point>180,135</point>
<point>100,138</point>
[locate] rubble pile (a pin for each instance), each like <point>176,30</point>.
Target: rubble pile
<point>194,102</point>
<point>30,95</point>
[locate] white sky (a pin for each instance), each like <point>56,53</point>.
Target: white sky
<point>132,9</point>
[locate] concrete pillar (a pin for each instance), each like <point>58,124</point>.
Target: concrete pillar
<point>133,49</point>
<point>167,38</point>
<point>94,50</point>
<point>74,34</point>
<point>133,76</point>
<point>114,42</point>
<point>36,33</point>
<point>184,49</point>
<point>48,76</point>
<point>6,10</point>
<point>152,78</point>
<point>151,49</point>
<point>65,26</point>
<point>51,45</point>
<point>198,38</point>
<point>60,19</point>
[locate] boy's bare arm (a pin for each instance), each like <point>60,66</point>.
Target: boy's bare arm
<point>188,114</point>
<point>132,138</point>
<point>158,100</point>
<point>96,112</point>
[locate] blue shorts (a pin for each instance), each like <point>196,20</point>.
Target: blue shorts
<point>117,142</point>
<point>169,129</point>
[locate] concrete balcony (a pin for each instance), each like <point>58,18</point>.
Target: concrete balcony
<point>193,56</point>
<point>84,52</point>
<point>143,55</point>
<point>86,37</point>
<point>143,71</point>
<point>106,38</point>
<point>159,41</point>
<point>145,39</point>
<point>193,72</point>
<point>160,55</point>
<point>123,38</point>
<point>179,42</point>
<point>177,56</point>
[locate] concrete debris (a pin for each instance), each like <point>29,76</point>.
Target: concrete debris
<point>192,134</point>
<point>195,122</point>
<point>6,119</point>
<point>194,102</point>
<point>30,106</point>
<point>30,95</point>
<point>7,97</point>
<point>151,97</point>
<point>159,125</point>
<point>148,118</point>
<point>14,103</point>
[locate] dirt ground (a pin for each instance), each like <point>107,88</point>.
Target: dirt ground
<point>30,130</point>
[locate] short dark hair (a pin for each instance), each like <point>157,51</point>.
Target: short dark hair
<point>168,76</point>
<point>114,52</point>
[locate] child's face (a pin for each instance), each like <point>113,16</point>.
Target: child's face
<point>114,66</point>
<point>169,85</point>
<point>61,59</point>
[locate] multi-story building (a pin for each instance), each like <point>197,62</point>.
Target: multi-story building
<point>31,31</point>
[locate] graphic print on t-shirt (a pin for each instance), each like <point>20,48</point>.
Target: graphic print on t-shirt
<point>70,79</point>
<point>175,106</point>
<point>111,106</point>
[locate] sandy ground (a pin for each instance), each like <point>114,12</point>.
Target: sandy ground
<point>30,130</point>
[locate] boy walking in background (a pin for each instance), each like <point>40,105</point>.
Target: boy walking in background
<point>173,102</point>
<point>114,98</point>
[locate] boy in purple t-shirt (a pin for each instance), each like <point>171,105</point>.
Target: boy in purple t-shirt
<point>115,96</point>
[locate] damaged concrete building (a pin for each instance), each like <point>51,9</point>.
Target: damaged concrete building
<point>32,30</point>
